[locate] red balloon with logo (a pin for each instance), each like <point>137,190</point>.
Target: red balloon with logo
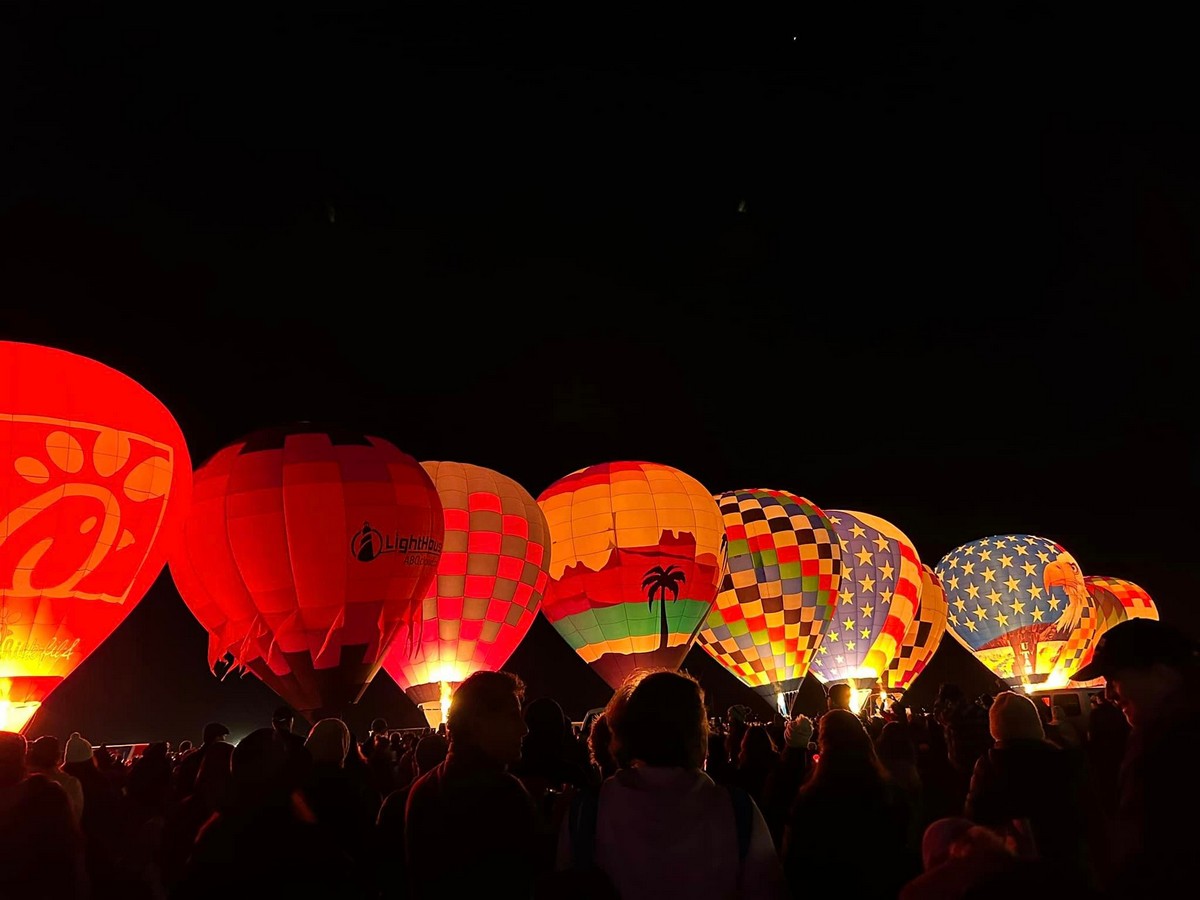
<point>307,550</point>
<point>94,481</point>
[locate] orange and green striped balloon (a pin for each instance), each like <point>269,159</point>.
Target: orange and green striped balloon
<point>636,555</point>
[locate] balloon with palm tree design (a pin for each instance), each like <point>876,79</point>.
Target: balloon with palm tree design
<point>636,552</point>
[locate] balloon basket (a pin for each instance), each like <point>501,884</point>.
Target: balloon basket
<point>433,712</point>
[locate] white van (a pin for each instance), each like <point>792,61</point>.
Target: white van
<point>1076,703</point>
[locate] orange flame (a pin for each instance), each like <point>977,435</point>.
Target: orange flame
<point>14,716</point>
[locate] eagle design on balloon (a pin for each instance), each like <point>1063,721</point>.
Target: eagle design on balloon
<point>1013,601</point>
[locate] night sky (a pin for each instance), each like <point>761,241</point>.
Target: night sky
<point>937,267</point>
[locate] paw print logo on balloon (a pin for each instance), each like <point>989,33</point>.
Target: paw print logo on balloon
<point>110,485</point>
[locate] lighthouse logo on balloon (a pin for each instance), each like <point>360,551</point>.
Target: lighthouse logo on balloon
<point>370,543</point>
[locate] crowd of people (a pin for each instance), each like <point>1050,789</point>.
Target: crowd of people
<point>975,798</point>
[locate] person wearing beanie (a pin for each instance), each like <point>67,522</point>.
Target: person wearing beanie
<point>1025,777</point>
<point>344,803</point>
<point>1014,717</point>
<point>46,759</point>
<point>79,749</point>
<point>793,767</point>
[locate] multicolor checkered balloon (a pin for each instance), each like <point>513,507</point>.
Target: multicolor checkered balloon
<point>877,600</point>
<point>779,589</point>
<point>1014,600</point>
<point>1135,603</point>
<point>491,575</point>
<point>1111,601</point>
<point>923,635</point>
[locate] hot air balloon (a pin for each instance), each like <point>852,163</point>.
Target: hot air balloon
<point>923,635</point>
<point>637,550</point>
<point>305,553</point>
<point>778,592</point>
<point>1110,601</point>
<point>1013,600</point>
<point>493,571</point>
<point>1133,600</point>
<point>881,581</point>
<point>95,483</point>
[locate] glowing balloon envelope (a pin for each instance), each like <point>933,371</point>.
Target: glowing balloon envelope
<point>923,636</point>
<point>1133,600</point>
<point>493,571</point>
<point>1110,601</point>
<point>96,479</point>
<point>305,553</point>
<point>881,581</point>
<point>1013,600</point>
<point>779,590</point>
<point>636,560</point>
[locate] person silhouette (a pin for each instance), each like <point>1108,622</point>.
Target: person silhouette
<point>469,806</point>
<point>1151,672</point>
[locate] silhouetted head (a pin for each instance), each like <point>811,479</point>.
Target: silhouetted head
<point>758,750</point>
<point>839,696</point>
<point>283,718</point>
<point>1148,666</point>
<point>329,742</point>
<point>12,758</point>
<point>613,710</point>
<point>842,735</point>
<point>485,714</point>
<point>45,753</point>
<point>664,722</point>
<point>215,731</point>
<point>263,767</point>
<point>431,750</point>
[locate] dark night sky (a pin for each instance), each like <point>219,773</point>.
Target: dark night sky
<point>958,296</point>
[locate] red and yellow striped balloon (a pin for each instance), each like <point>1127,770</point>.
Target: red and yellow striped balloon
<point>923,636</point>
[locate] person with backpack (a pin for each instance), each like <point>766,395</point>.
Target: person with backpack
<point>660,828</point>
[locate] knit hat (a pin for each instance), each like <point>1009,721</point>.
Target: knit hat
<point>798,732</point>
<point>1014,717</point>
<point>939,838</point>
<point>329,741</point>
<point>79,749</point>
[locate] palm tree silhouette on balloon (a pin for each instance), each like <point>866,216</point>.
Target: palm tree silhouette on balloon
<point>659,581</point>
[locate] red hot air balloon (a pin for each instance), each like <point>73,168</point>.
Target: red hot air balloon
<point>490,580</point>
<point>306,551</point>
<point>95,480</point>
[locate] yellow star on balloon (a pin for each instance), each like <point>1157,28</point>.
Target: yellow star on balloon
<point>857,530</point>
